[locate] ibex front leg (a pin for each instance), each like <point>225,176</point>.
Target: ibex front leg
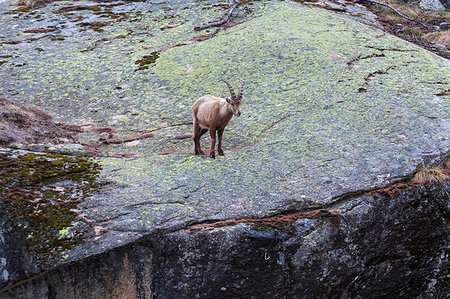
<point>219,135</point>
<point>212,133</point>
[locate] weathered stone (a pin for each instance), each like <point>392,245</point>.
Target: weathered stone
<point>37,147</point>
<point>68,149</point>
<point>16,145</point>
<point>446,3</point>
<point>384,246</point>
<point>431,5</point>
<point>331,107</point>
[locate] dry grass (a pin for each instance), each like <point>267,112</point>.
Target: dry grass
<point>412,32</point>
<point>413,11</point>
<point>440,37</point>
<point>26,3</point>
<point>431,175</point>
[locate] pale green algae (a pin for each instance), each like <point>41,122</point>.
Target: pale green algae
<point>313,126</point>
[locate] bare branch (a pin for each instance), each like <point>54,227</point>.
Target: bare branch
<point>221,21</point>
<point>397,12</point>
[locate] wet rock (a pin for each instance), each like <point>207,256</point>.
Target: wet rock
<point>16,145</point>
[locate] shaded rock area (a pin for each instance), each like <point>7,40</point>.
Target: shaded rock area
<point>387,246</point>
<point>335,115</point>
<point>349,255</point>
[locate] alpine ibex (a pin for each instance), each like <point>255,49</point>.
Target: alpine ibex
<point>213,114</point>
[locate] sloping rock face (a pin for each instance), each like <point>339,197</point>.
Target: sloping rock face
<point>376,246</point>
<point>25,125</point>
<point>331,108</point>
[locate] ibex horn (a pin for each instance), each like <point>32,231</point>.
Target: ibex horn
<point>241,89</point>
<point>233,95</point>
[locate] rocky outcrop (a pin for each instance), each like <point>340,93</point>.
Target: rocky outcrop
<point>23,125</point>
<point>431,5</point>
<point>388,246</point>
<point>332,110</point>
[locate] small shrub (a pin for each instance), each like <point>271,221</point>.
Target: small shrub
<point>430,175</point>
<point>440,37</point>
<point>412,32</point>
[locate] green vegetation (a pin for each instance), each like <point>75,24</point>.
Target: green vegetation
<point>412,32</point>
<point>42,191</point>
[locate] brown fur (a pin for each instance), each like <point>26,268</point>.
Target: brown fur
<point>213,114</point>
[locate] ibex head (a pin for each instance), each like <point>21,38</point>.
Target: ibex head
<point>235,101</point>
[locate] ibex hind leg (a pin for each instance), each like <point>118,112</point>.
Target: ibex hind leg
<point>200,134</point>
<point>196,137</point>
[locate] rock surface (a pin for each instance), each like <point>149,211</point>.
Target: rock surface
<point>332,107</point>
<point>431,5</point>
<point>20,126</point>
<point>68,149</point>
<point>371,245</point>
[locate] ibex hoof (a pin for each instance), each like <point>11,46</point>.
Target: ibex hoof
<point>221,154</point>
<point>199,153</point>
<point>212,155</point>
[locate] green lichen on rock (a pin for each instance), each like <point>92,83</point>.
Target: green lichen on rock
<point>330,107</point>
<point>42,192</point>
<point>308,132</point>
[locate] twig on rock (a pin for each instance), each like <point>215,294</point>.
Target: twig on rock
<point>128,139</point>
<point>184,136</point>
<point>221,21</point>
<point>202,37</point>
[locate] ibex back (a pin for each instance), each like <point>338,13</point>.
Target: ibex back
<point>213,114</point>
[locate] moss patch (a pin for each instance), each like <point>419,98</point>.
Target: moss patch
<point>145,61</point>
<point>42,192</point>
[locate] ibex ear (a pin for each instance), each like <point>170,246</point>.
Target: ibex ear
<point>228,100</point>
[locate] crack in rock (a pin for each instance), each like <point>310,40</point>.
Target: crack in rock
<point>193,191</point>
<point>444,93</point>
<point>390,49</point>
<point>263,131</point>
<point>273,221</point>
<point>372,75</point>
<point>112,218</point>
<point>350,64</point>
